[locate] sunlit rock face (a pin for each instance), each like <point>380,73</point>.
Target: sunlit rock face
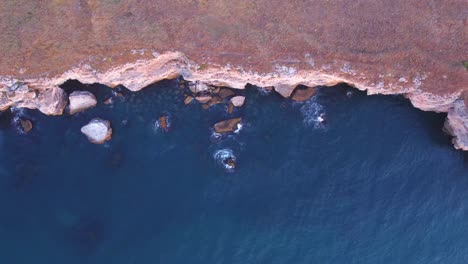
<point>386,47</point>
<point>98,131</point>
<point>80,101</point>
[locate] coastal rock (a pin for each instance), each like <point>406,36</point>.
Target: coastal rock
<point>230,108</point>
<point>303,93</point>
<point>52,101</point>
<point>163,123</point>
<point>238,101</point>
<point>188,99</point>
<point>456,125</point>
<point>198,87</point>
<point>26,125</point>
<point>203,99</point>
<point>227,126</point>
<point>81,101</point>
<point>426,63</point>
<point>20,92</point>
<point>225,93</point>
<point>98,131</point>
<point>215,100</point>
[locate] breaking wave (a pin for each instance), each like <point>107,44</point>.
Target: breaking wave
<point>313,113</point>
<point>225,158</point>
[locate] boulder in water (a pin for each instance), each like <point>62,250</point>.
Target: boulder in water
<point>26,125</point>
<point>81,101</point>
<point>98,131</point>
<point>238,101</point>
<point>203,99</point>
<point>188,99</point>
<point>227,126</point>
<point>163,123</point>
<point>225,93</point>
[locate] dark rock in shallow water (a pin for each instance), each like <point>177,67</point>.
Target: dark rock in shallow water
<point>163,123</point>
<point>225,93</point>
<point>86,235</point>
<point>227,126</point>
<point>303,93</point>
<point>203,99</point>
<point>26,125</point>
<point>22,125</point>
<point>188,99</point>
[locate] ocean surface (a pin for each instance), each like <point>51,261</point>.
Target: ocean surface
<point>376,182</point>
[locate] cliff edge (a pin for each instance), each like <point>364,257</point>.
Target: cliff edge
<point>415,48</point>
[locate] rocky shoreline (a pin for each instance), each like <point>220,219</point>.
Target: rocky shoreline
<point>413,48</point>
<point>46,95</point>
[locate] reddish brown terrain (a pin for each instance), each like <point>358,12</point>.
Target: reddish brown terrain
<point>418,48</point>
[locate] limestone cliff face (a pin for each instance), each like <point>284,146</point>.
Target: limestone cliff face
<point>415,48</point>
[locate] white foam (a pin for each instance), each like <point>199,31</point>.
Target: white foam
<point>222,155</point>
<point>239,128</point>
<point>313,113</point>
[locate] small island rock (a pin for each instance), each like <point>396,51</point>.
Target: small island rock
<point>81,101</point>
<point>98,131</point>
<point>227,126</point>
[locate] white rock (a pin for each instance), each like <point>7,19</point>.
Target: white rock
<point>198,87</point>
<point>238,101</point>
<point>81,101</point>
<point>98,131</point>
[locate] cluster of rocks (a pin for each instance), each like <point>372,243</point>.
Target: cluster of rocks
<point>210,95</point>
<point>54,101</point>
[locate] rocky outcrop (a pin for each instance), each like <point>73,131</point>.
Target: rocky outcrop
<point>456,124</point>
<point>414,48</point>
<point>98,131</point>
<point>81,101</point>
<point>50,101</point>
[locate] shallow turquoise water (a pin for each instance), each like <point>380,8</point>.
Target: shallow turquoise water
<point>377,183</point>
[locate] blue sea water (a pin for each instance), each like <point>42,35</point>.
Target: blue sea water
<point>378,182</point>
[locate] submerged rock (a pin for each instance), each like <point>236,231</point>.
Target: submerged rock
<point>225,93</point>
<point>26,125</point>
<point>203,99</point>
<point>238,101</point>
<point>230,108</point>
<point>303,93</point>
<point>188,99</point>
<point>98,131</point>
<point>215,100</point>
<point>163,123</point>
<point>226,158</point>
<point>108,101</point>
<point>227,126</point>
<point>81,101</point>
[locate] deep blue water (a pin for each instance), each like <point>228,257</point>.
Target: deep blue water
<point>379,182</point>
